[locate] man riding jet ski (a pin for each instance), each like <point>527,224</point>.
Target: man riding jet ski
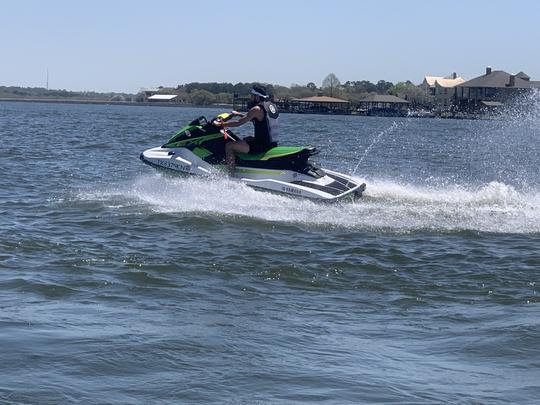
<point>200,149</point>
<point>265,117</point>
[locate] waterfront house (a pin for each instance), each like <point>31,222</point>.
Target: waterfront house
<point>441,89</point>
<point>492,89</point>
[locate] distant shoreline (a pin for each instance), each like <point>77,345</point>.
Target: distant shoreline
<point>108,102</point>
<point>215,106</point>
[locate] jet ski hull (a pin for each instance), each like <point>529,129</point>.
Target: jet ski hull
<point>325,185</point>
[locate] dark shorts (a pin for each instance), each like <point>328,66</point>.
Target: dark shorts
<point>255,148</point>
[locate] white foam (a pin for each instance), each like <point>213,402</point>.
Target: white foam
<point>387,205</point>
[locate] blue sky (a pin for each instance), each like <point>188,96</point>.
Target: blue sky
<point>124,45</point>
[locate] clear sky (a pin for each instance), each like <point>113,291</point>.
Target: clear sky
<point>118,45</point>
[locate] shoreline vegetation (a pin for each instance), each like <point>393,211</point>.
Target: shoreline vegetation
<point>226,106</point>
<point>332,97</point>
<point>105,102</point>
<point>213,93</point>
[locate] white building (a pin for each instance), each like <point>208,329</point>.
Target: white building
<point>163,98</point>
<point>441,89</point>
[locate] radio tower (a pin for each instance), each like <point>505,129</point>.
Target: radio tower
<point>47,78</point>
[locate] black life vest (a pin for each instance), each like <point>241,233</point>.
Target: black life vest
<point>267,130</point>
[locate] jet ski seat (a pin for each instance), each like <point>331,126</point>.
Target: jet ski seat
<point>280,157</point>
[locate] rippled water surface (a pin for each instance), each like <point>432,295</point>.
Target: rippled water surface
<point>126,285</point>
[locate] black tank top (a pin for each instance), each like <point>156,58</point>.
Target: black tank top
<point>267,130</point>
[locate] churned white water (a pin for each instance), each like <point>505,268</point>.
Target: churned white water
<point>387,205</point>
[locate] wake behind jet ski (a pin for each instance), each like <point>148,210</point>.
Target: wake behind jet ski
<point>199,149</point>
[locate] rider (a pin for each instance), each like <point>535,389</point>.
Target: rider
<point>264,115</point>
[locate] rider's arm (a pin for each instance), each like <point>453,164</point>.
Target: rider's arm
<point>253,113</point>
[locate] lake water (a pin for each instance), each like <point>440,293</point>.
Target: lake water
<point>126,285</point>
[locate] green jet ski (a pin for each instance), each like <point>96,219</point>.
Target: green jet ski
<point>199,149</point>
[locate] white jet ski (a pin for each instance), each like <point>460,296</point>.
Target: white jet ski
<point>199,149</point>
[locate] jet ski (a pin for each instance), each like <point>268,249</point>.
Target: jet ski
<point>199,149</point>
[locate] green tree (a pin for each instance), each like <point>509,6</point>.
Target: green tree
<point>383,86</point>
<point>223,98</point>
<point>202,97</point>
<point>412,93</point>
<point>298,91</point>
<point>281,92</point>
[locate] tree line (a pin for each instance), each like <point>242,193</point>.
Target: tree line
<point>41,92</point>
<point>222,93</point>
<point>209,93</point>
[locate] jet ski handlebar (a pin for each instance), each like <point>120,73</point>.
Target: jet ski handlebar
<point>224,117</point>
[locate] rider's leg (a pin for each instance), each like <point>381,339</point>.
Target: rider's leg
<point>231,148</point>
